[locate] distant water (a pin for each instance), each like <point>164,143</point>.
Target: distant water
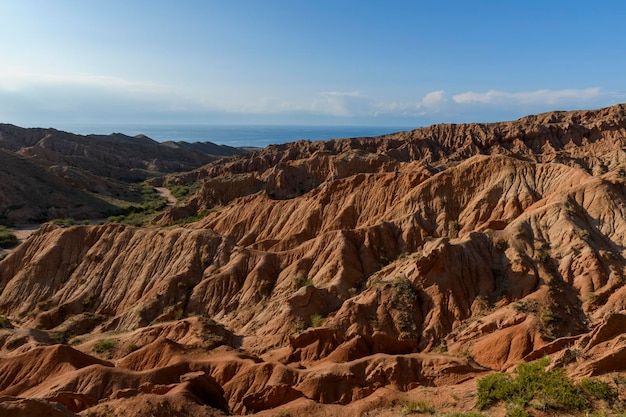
<point>235,135</point>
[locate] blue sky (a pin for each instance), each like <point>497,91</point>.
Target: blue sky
<point>392,63</point>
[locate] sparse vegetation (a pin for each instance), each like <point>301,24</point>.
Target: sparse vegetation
<point>405,289</point>
<point>570,210</point>
<point>543,256</point>
<point>301,280</point>
<point>526,306</point>
<point>137,215</point>
<point>58,338</point>
<point>453,229</point>
<point>583,234</point>
<point>317,320</point>
<point>417,406</point>
<point>191,219</point>
<point>104,346</point>
<point>466,353</point>
<point>63,222</point>
<point>131,348</point>
<point>179,314</point>
<point>184,190</point>
<point>535,387</point>
<point>599,390</point>
<point>7,238</point>
<point>298,325</point>
<point>548,316</point>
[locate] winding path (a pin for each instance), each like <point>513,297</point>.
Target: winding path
<point>23,231</point>
<point>166,193</point>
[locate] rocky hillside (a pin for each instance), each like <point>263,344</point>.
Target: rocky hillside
<point>48,173</point>
<point>336,278</point>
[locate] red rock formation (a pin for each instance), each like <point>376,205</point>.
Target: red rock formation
<point>338,271</point>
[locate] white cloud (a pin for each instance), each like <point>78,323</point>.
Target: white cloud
<point>16,80</point>
<point>340,103</point>
<point>75,93</point>
<point>537,97</point>
<point>434,100</point>
<point>355,103</point>
<point>341,94</point>
<point>29,92</point>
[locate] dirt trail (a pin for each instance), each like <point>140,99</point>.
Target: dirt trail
<point>166,193</point>
<point>23,231</point>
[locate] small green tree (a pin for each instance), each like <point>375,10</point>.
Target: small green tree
<point>7,238</point>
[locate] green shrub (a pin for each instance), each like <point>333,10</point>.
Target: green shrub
<point>182,191</point>
<point>104,345</point>
<point>192,219</point>
<point>317,320</point>
<point>534,386</point>
<point>405,289</point>
<point>63,222</point>
<point>131,348</point>
<point>599,390</point>
<point>493,389</point>
<point>58,338</point>
<point>516,410</point>
<point>7,238</point>
<point>527,306</point>
<point>138,215</point>
<point>179,314</point>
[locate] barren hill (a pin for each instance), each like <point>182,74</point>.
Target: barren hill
<point>59,174</point>
<point>335,278</point>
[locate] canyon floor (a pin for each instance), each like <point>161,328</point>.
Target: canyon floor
<point>353,277</point>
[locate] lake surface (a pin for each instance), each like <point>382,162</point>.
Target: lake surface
<point>237,135</point>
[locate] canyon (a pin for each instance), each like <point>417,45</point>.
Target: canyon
<point>341,277</point>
